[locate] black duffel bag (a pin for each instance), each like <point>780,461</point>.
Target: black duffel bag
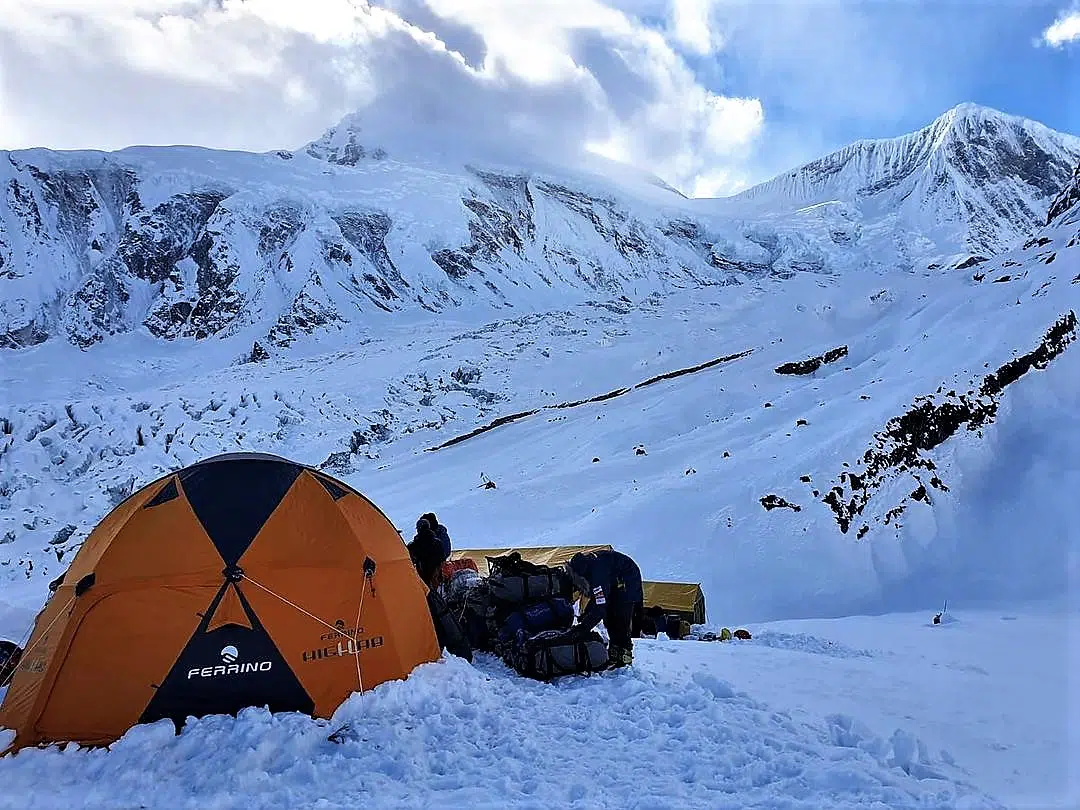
<point>447,629</point>
<point>514,581</point>
<point>554,653</point>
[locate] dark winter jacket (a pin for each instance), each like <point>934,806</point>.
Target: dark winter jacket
<point>608,579</point>
<point>427,551</point>
<point>440,532</point>
<point>10,653</point>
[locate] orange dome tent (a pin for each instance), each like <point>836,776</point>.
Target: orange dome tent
<point>243,580</point>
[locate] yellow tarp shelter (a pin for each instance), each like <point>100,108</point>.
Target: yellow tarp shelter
<point>683,598</point>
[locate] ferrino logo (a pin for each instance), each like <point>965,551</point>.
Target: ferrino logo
<point>230,655</point>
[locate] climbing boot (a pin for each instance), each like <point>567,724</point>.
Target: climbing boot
<point>620,656</point>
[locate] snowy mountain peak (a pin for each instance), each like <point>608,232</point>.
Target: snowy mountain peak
<point>343,144</point>
<point>974,178</point>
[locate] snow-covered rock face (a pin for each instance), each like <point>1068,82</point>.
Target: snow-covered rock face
<point>190,243</point>
<point>1067,203</point>
<point>962,189</point>
<point>342,145</point>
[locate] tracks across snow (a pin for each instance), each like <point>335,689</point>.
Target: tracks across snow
<point>618,392</point>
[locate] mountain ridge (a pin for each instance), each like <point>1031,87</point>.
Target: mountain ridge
<point>186,242</point>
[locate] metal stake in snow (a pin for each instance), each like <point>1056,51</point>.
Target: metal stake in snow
<point>937,618</point>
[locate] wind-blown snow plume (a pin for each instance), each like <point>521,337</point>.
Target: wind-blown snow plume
<point>452,73</point>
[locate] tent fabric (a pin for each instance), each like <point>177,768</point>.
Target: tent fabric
<point>682,598</point>
<point>541,555</point>
<point>234,582</point>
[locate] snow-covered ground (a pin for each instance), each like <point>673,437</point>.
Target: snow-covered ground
<point>887,711</point>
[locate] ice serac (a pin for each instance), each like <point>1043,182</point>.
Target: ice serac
<point>958,191</point>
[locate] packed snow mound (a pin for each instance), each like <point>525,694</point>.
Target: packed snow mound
<point>970,184</point>
<point>457,735</point>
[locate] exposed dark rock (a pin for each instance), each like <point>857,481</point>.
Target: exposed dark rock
<point>154,241</point>
<point>23,203</point>
<point>1067,200</point>
<point>97,307</point>
<point>670,375</point>
<point>902,445</point>
<point>465,375</point>
<point>375,433</point>
<point>30,335</point>
<point>812,364</point>
<point>609,221</point>
<point>281,224</point>
<point>366,231</point>
<point>258,353</point>
<point>771,502</point>
<point>454,263</point>
<point>971,261</point>
<point>63,535</point>
<point>306,315</point>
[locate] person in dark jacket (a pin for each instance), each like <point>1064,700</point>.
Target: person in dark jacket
<point>10,653</point>
<point>429,548</point>
<point>612,583</point>
<point>440,532</point>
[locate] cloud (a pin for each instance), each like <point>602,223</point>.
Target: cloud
<point>1065,29</point>
<point>691,25</point>
<point>555,78</point>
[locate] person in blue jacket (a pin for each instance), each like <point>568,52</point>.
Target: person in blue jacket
<point>612,582</point>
